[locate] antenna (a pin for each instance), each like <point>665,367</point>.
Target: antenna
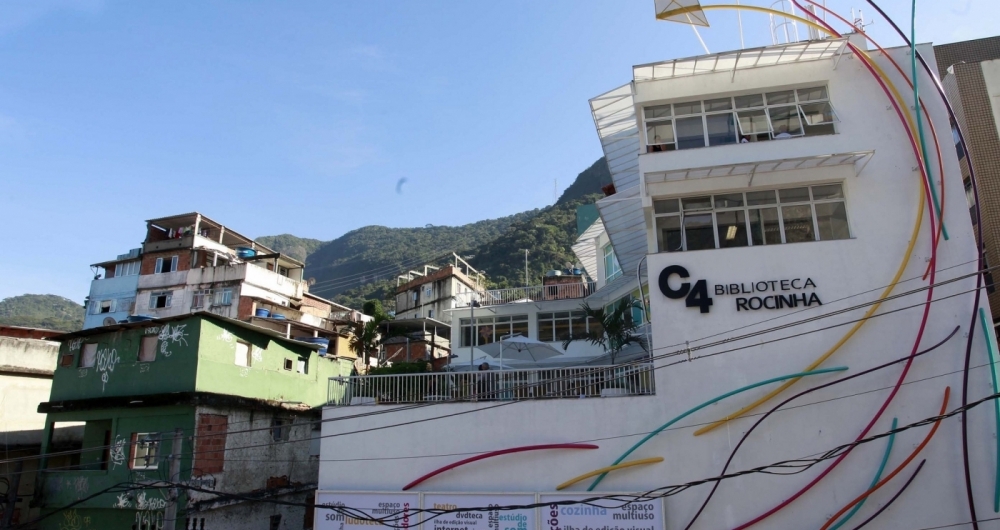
<point>859,21</point>
<point>780,24</point>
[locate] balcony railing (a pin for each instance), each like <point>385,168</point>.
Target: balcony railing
<point>553,383</point>
<point>534,293</point>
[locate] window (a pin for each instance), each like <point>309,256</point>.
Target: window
<point>89,356</point>
<point>127,268</point>
<point>201,298</point>
<point>210,444</point>
<point>612,269</point>
<point>160,299</point>
<point>107,306</point>
<point>283,271</point>
<point>66,359</point>
<point>223,297</point>
<point>430,313</point>
<point>746,118</point>
<point>491,329</point>
<point>428,291</point>
<point>145,447</point>
<point>166,264</point>
<point>288,365</point>
<point>562,325</point>
<point>766,217</point>
<point>242,353</point>
<point>303,367</point>
<point>280,428</point>
<point>147,349</point>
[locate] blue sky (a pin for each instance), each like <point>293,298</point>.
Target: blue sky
<point>301,117</point>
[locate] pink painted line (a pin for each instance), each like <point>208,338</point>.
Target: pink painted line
<point>497,453</point>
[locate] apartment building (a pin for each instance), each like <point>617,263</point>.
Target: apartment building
<point>970,73</point>
<point>772,195</point>
<point>431,292</point>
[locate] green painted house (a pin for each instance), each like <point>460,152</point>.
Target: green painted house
<point>243,401</point>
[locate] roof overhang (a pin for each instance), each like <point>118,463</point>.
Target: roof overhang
<point>732,61</point>
<point>857,159</point>
<point>614,117</point>
<point>625,224</point>
<point>584,247</point>
<point>611,290</point>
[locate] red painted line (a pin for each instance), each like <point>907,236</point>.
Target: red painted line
<point>491,454</point>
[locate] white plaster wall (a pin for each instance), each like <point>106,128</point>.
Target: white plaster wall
<point>991,74</point>
<point>20,394</point>
<point>882,205</point>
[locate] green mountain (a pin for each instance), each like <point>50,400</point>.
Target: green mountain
<point>363,264</point>
<point>42,311</point>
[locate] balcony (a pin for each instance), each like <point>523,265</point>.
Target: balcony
<point>535,293</point>
<point>632,379</point>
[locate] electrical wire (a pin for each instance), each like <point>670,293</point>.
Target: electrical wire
<point>894,497</point>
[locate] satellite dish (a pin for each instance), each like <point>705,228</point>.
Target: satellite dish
<point>108,321</point>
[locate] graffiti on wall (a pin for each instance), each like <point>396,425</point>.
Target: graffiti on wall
<point>225,336</point>
<point>74,345</point>
<point>258,354</point>
<point>106,361</point>
<point>152,520</point>
<point>71,520</point>
<point>123,502</point>
<point>171,335</point>
<point>151,503</point>
<point>117,455</point>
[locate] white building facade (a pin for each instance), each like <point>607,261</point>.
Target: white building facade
<point>762,257</point>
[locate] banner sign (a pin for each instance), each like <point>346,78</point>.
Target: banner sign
<point>397,507</point>
<point>479,520</point>
<point>603,514</point>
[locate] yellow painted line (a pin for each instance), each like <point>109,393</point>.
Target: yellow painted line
<point>617,467</point>
<point>905,107</point>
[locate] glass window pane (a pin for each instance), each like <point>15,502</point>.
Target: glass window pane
<point>563,314</point>
<point>832,220</point>
<point>545,331</point>
<point>698,231</point>
<point>778,98</point>
<point>691,107</point>
<point>761,197</point>
<point>718,104</point>
<point>798,223</point>
<point>690,133</point>
<point>666,206</point>
<point>562,329</point>
<point>732,229</point>
<point>754,122</point>
<point>486,334</point>
<point>729,200</point>
<point>721,129</point>
<point>764,227</point>
<point>829,191</point>
<point>812,93</point>
<point>519,328</point>
<point>785,122</point>
<point>752,100</point>
<point>503,319</point>
<point>660,133</point>
<point>579,328</point>
<point>697,203</point>
<point>668,233</point>
<point>659,111</point>
<point>794,195</point>
<point>818,113</point>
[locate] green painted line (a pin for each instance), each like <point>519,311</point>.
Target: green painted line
<point>920,126</point>
<point>878,475</point>
<point>709,402</point>
<point>991,348</point>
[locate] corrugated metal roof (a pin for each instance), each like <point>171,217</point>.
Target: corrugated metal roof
<point>766,166</point>
<point>614,117</point>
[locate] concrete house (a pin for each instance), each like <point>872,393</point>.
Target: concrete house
<point>240,400</point>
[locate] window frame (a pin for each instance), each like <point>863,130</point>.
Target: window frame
<point>168,302</point>
<point>795,105</point>
<point>151,462</point>
<point>505,328</point>
<point>681,212</point>
<point>247,358</point>
<point>159,265</point>
<point>616,270</point>
<point>572,314</point>
<point>127,268</point>
<point>84,361</point>
<point>222,297</point>
<point>142,344</point>
<point>200,296</point>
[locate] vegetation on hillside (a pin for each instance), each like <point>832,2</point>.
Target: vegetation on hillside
<point>589,181</point>
<point>296,247</point>
<point>42,311</point>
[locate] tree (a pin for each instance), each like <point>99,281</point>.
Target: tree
<point>365,338</point>
<point>374,308</point>
<point>615,329</point>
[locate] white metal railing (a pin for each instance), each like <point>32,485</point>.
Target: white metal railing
<point>633,379</point>
<point>562,291</point>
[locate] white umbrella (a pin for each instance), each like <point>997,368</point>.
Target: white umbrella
<point>520,348</point>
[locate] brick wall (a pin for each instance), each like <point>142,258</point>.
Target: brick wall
<point>966,89</point>
<point>210,444</point>
<point>149,260</point>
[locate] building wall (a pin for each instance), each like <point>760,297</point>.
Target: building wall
<point>266,378</point>
<point>111,289</point>
<point>882,206</point>
<point>117,370</point>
